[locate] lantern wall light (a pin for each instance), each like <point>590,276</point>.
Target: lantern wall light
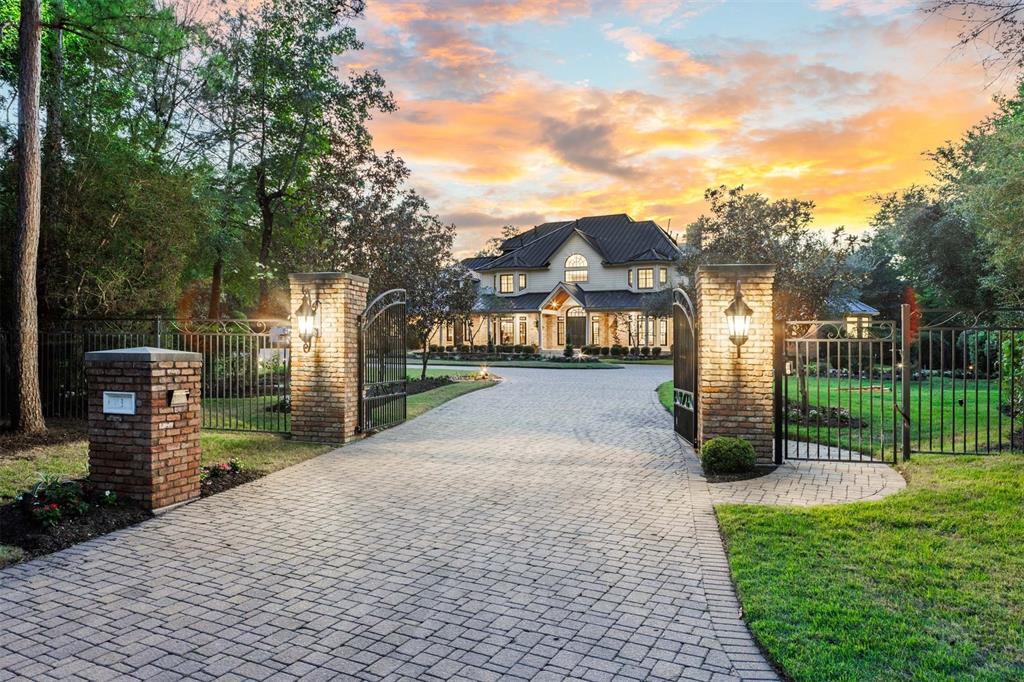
<point>737,319</point>
<point>306,320</point>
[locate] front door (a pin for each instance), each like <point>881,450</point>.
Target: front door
<point>576,327</point>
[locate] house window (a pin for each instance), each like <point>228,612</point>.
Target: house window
<point>505,284</point>
<point>629,278</point>
<point>507,327</point>
<point>449,331</point>
<point>645,278</point>
<point>575,268</point>
<point>522,280</point>
<point>595,331</point>
<point>560,332</point>
<point>662,275</point>
<point>522,331</point>
<point>664,332</point>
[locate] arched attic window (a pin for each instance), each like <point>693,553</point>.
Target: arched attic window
<point>576,268</point>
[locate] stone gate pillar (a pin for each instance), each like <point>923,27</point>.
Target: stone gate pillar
<point>324,379</point>
<point>735,393</point>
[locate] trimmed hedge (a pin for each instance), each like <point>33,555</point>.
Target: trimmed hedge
<point>727,455</point>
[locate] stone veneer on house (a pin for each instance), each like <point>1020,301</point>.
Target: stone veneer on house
<point>324,379</point>
<point>735,393</point>
<point>151,456</point>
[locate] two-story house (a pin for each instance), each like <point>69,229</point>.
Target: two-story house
<point>601,281</point>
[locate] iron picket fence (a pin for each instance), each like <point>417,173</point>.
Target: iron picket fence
<point>245,381</point>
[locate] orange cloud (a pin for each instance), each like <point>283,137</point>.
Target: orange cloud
<point>495,144</point>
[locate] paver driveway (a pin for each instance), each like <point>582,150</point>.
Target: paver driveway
<point>549,528</point>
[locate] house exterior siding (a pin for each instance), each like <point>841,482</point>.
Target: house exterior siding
<point>613,304</point>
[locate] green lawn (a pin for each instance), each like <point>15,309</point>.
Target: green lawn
<point>428,400</point>
<point>666,395</point>
<point>925,585</point>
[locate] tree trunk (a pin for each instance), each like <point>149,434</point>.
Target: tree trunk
<point>53,141</point>
<point>267,217</point>
<point>213,311</point>
<point>426,354</point>
<point>28,409</point>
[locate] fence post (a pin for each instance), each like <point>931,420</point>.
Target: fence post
<point>905,376</point>
<point>780,376</point>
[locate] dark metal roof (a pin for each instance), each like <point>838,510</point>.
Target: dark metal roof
<point>616,299</point>
<point>477,262</point>
<point>843,305</point>
<point>618,238</point>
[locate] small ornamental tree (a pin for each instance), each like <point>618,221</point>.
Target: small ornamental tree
<point>443,295</point>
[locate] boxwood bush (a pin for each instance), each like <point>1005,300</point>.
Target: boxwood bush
<point>727,455</point>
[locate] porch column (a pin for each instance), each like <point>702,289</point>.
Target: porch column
<point>735,389</point>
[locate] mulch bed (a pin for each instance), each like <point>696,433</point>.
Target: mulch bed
<point>758,472</point>
<point>19,530</point>
<point>228,480</point>
<point>430,383</point>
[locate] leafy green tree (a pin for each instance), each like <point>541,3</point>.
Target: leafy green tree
<point>281,105</point>
<point>933,248</point>
<point>748,227</point>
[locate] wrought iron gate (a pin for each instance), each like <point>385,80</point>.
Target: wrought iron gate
<point>936,382</point>
<point>840,392</point>
<point>382,370</point>
<point>684,366</point>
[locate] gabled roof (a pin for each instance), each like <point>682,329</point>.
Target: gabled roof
<point>618,238</point>
<point>846,305</point>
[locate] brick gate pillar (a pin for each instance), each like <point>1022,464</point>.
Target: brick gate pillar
<point>735,393</point>
<point>144,422</point>
<point>324,379</point>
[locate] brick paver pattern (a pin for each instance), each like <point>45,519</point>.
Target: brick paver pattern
<point>552,527</point>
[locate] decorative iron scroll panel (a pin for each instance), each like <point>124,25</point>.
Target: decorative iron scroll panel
<point>841,391</point>
<point>967,382</point>
<point>245,379</point>
<point>684,366</point>
<point>382,362</point>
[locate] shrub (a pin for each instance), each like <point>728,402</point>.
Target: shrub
<point>635,350</point>
<point>645,351</point>
<point>568,350</point>
<point>605,350</point>
<point>433,347</point>
<point>656,352</point>
<point>617,350</point>
<point>531,349</point>
<point>465,348</point>
<point>727,455</point>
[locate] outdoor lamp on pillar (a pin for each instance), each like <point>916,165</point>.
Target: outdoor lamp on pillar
<point>737,317</point>
<point>305,318</point>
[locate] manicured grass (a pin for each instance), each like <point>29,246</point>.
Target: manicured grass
<point>925,585</point>
<point>428,400</point>
<point>940,419</point>
<point>666,395</point>
<point>524,363</point>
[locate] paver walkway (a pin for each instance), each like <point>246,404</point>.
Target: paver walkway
<point>551,527</point>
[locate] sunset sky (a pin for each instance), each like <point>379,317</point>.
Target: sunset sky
<point>521,112</point>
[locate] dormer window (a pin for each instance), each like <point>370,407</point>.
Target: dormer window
<point>645,278</point>
<point>505,284</point>
<point>663,276</point>
<point>576,268</point>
